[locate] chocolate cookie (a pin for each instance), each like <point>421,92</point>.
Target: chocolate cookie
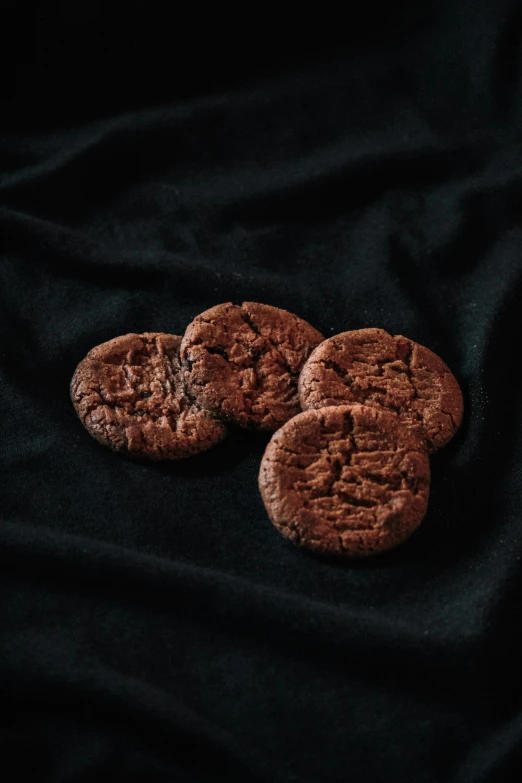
<point>348,480</point>
<point>371,367</point>
<point>243,362</point>
<point>130,395</point>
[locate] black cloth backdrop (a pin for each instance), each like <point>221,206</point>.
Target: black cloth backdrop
<point>153,624</point>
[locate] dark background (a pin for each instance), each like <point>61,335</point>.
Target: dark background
<point>153,624</point>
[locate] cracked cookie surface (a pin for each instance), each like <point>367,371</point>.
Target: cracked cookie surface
<point>372,367</point>
<point>243,362</point>
<point>348,480</point>
<point>130,395</point>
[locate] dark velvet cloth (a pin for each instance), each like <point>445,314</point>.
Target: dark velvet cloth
<point>154,626</point>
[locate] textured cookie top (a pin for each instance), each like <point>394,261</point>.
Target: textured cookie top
<point>243,362</point>
<point>347,480</point>
<point>130,395</point>
<point>371,367</point>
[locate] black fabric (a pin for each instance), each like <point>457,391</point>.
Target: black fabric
<point>153,624</point>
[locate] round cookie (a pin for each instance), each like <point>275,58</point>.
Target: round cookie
<point>243,362</point>
<point>348,480</point>
<point>130,395</point>
<point>371,367</point>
